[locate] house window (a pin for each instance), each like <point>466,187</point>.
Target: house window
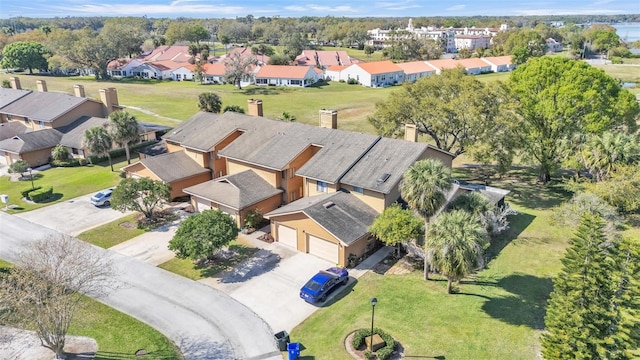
<point>321,186</point>
<point>26,121</point>
<point>178,76</point>
<point>41,123</point>
<point>8,117</point>
<point>262,81</point>
<point>357,189</point>
<point>74,151</point>
<point>296,82</point>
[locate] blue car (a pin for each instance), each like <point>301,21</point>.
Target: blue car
<point>322,283</point>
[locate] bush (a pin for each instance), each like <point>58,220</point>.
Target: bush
<point>82,162</point>
<point>65,163</point>
<point>41,194</point>
<point>341,81</point>
<point>358,338</point>
<point>26,192</point>
<point>382,354</point>
<point>352,81</point>
<point>368,354</point>
<point>120,152</point>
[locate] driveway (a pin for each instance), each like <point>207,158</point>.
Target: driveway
<point>72,216</point>
<point>203,322</point>
<point>151,247</point>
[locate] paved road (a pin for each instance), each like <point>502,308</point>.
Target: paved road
<point>203,322</point>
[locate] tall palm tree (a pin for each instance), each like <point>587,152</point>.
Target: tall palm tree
<point>98,141</point>
<point>455,243</point>
<point>124,130</point>
<point>424,187</point>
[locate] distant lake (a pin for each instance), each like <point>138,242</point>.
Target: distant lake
<point>629,32</point>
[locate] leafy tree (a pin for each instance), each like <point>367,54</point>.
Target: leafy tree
<point>92,50</point>
<point>125,35</point>
<point>198,71</point>
<point>293,43</point>
<point>424,186</point>
<point>233,108</point>
<point>124,130</point>
<point>524,44</point>
<point>209,102</point>
<point>454,109</point>
<point>19,167</point>
<point>602,39</point>
<point>287,117</point>
<point>46,288</point>
<point>396,225</point>
<point>238,68</point>
<point>454,245</point>
<point>46,29</point>
<point>368,50</point>
<point>279,60</point>
<point>571,212</point>
<point>98,142</point>
<point>593,309</point>
<point>143,195</point>
<point>200,236</point>
<point>24,54</point>
<point>556,98</point>
<point>60,153</point>
<point>621,190</point>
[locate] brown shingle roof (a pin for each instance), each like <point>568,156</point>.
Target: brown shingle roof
<point>172,166</point>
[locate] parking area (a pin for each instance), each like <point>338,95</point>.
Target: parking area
<point>72,216</point>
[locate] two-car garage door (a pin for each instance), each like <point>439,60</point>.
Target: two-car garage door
<point>323,248</point>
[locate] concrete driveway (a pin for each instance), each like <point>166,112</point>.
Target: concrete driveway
<point>151,247</point>
<point>72,216</point>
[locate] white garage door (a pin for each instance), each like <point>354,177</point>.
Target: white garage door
<point>287,236</point>
<point>228,211</point>
<point>202,204</point>
<point>323,249</point>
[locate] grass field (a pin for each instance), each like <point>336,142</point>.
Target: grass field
<point>113,233</point>
<point>67,183</point>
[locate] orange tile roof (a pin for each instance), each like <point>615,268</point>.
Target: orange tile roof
<point>379,67</point>
<point>500,60</point>
<point>415,67</point>
<point>210,69</point>
<point>336,68</point>
<point>283,72</point>
<point>473,63</point>
<point>443,64</point>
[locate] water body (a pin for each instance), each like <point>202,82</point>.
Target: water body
<point>629,32</point>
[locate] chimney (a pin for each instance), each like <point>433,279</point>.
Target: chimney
<point>329,118</point>
<point>15,83</point>
<point>410,132</point>
<point>105,97</point>
<point>42,85</point>
<point>113,94</point>
<point>255,107</point>
<point>78,90</point>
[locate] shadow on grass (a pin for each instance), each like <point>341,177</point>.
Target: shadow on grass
<point>527,305</point>
<point>517,224</point>
<point>267,90</point>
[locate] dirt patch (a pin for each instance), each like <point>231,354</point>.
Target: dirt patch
<point>20,344</point>
<point>127,225</point>
<point>402,266</point>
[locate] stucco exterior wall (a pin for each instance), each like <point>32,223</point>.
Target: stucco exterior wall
<point>171,147</point>
<point>435,154</point>
<point>372,198</point>
<point>311,188</point>
<point>179,185</point>
<point>262,207</point>
<point>38,157</point>
<point>293,185</point>
<point>271,176</point>
<point>139,170</point>
<point>88,108</point>
<point>199,157</point>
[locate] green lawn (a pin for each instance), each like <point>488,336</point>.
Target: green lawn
<point>498,314</point>
<point>67,183</point>
<point>186,267</point>
<point>113,233</point>
<point>118,335</point>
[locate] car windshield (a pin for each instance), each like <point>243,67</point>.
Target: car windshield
<point>313,285</point>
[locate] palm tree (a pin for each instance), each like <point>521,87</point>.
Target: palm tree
<point>60,153</point>
<point>455,243</point>
<point>124,130</point>
<point>98,141</point>
<point>424,186</point>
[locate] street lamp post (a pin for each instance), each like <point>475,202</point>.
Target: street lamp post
<point>31,177</point>
<point>374,301</point>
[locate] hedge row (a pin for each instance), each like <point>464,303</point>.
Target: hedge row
<point>382,354</point>
<point>120,152</point>
<point>26,192</point>
<point>69,163</point>
<point>41,195</point>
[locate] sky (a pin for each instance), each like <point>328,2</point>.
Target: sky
<point>297,8</point>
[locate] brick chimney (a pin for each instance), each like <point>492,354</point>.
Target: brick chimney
<point>113,94</point>
<point>411,132</point>
<point>107,100</point>
<point>78,90</point>
<point>15,83</point>
<point>329,118</point>
<point>41,85</point>
<point>255,107</point>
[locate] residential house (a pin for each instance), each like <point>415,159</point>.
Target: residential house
<point>415,70</point>
<point>442,64</point>
<point>323,58</point>
<point>121,68</point>
<point>33,147</point>
<point>213,73</point>
<point>284,75</point>
<point>320,187</point>
<point>500,63</point>
<point>475,66</point>
<point>374,74</point>
<point>472,42</point>
<point>156,70</point>
<point>164,57</point>
<point>553,46</point>
<point>244,52</point>
<point>333,72</point>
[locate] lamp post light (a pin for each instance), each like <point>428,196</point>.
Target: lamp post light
<point>31,177</point>
<point>374,301</point>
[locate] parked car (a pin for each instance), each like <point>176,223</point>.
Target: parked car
<point>103,198</point>
<point>323,283</point>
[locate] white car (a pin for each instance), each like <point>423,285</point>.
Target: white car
<point>103,198</point>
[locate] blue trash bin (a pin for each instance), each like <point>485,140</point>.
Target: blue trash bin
<point>294,350</point>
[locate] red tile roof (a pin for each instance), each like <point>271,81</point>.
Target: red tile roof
<point>379,67</point>
<point>177,53</point>
<point>283,72</point>
<point>217,69</point>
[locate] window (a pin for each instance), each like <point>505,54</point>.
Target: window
<point>321,186</point>
<point>8,117</point>
<point>296,82</point>
<point>178,76</point>
<point>26,121</point>
<point>74,151</point>
<point>357,189</point>
<point>41,123</point>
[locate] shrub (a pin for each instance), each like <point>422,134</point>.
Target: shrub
<point>26,192</point>
<point>41,194</point>
<point>352,81</point>
<point>368,354</point>
<point>384,353</point>
<point>120,152</point>
<point>358,338</point>
<point>65,163</point>
<point>82,162</point>
<point>341,81</point>
<point>253,219</point>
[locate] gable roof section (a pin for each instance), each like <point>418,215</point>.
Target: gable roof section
<point>7,96</point>
<point>195,132</point>
<point>49,106</point>
<point>498,60</point>
<point>218,69</point>
<point>415,67</point>
<point>11,129</point>
<point>172,166</point>
<point>31,141</point>
<point>73,134</point>
<point>379,67</point>
<point>473,63</point>
<point>283,72</point>
<point>343,215</point>
<point>236,191</point>
<point>443,64</point>
<point>387,156</point>
<point>336,68</point>
<point>176,53</point>
<point>323,57</point>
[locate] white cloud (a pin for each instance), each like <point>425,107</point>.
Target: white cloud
<point>572,11</point>
<point>456,8</point>
<point>176,7</point>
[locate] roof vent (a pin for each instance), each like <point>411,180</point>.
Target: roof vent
<point>382,178</point>
<point>328,204</point>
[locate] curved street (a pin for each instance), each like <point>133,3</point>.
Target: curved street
<point>203,322</point>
